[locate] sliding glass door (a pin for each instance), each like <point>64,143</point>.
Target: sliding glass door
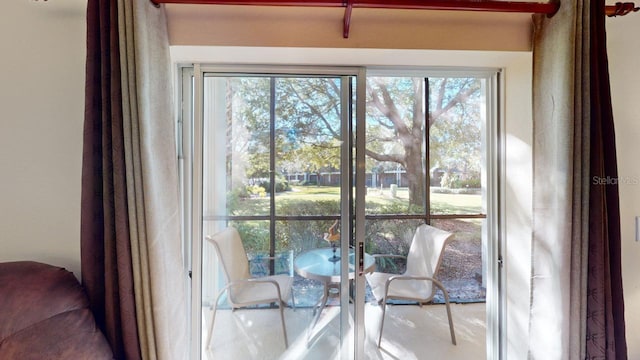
<point>317,169</point>
<point>427,162</point>
<point>272,158</point>
<point>430,154</point>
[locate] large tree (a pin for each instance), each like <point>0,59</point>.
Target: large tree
<point>396,119</point>
<point>307,124</point>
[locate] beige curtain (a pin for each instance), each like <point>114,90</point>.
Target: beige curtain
<point>152,181</point>
<point>561,183</point>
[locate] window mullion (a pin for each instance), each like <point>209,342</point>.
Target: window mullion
<point>427,182</point>
<point>272,173</point>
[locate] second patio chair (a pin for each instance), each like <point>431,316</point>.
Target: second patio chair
<point>418,281</point>
<point>242,289</point>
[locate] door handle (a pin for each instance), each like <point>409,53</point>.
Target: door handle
<point>360,259</point>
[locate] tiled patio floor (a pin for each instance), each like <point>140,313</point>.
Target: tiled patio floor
<point>410,332</point>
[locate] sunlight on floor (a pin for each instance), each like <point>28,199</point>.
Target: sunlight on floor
<point>410,332</point>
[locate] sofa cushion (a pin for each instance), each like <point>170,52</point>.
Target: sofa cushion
<point>68,335</point>
<point>44,314</point>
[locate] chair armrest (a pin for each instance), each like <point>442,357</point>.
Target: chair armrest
<point>260,280</point>
<point>375,256</point>
<point>261,257</point>
<point>437,283</point>
<point>252,280</point>
<point>406,277</point>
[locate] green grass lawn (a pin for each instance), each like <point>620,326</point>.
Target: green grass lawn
<point>303,199</point>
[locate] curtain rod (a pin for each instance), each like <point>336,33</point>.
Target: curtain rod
<point>465,5</point>
<point>620,9</point>
<point>548,8</point>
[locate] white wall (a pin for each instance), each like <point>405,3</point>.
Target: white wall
<point>624,51</point>
<point>518,206</point>
<point>41,112</point>
<point>317,27</point>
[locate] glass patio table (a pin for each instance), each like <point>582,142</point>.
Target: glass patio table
<point>320,264</point>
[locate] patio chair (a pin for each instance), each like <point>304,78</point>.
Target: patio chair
<point>418,281</point>
<point>243,290</point>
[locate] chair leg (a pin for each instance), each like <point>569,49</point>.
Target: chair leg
<point>213,319</point>
<point>446,302</point>
<point>453,334</point>
<point>384,308</point>
<point>284,328</point>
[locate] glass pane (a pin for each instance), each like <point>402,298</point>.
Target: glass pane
<point>255,236</point>
<point>300,235</point>
<point>212,278</point>
<point>236,143</point>
<point>396,176</point>
<point>295,237</point>
<point>307,140</point>
<point>462,270</point>
<point>271,157</point>
<point>456,117</point>
<point>390,237</point>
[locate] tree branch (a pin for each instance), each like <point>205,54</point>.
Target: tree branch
<point>386,157</point>
<point>316,112</point>
<point>418,110</point>
<point>382,138</point>
<point>460,97</point>
<point>387,107</point>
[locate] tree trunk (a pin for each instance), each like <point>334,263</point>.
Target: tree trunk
<point>415,174</point>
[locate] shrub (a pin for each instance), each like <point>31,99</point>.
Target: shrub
<point>304,235</point>
<point>235,195</point>
<point>473,183</point>
<point>453,181</point>
<point>390,237</point>
<point>308,183</point>
<point>449,180</point>
<point>256,190</point>
<point>281,184</point>
<point>255,236</point>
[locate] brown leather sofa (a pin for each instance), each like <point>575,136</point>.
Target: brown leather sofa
<point>44,314</point>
